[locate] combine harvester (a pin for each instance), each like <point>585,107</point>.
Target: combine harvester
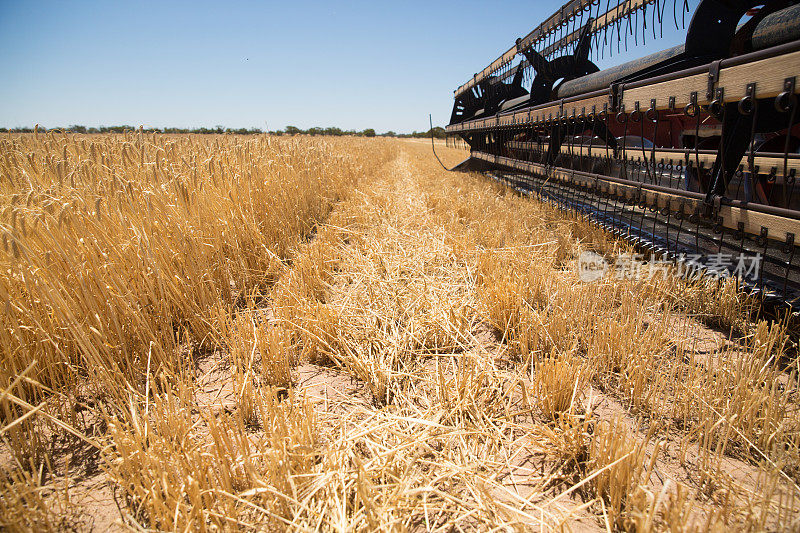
<point>691,153</point>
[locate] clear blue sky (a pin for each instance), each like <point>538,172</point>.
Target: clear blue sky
<point>354,65</point>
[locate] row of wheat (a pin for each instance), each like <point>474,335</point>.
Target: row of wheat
<point>123,255</point>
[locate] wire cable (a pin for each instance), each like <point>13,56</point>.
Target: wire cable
<point>433,146</point>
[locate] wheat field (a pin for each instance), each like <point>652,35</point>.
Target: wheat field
<point>223,332</point>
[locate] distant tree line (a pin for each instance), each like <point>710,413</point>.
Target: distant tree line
<point>438,133</point>
<point>289,130</point>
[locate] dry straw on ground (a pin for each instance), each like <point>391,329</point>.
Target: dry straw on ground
<point>311,334</point>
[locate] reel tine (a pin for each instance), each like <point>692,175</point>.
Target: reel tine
<point>557,35</point>
<point>605,30</point>
<point>675,13</point>
<point>629,29</point>
<point>683,13</point>
<point>614,24</point>
<point>619,33</point>
<point>644,24</point>
<point>596,34</point>
<point>658,20</point>
<point>752,148</point>
<point>655,15</point>
<point>625,25</point>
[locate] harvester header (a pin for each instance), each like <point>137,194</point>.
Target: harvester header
<point>692,151</point>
